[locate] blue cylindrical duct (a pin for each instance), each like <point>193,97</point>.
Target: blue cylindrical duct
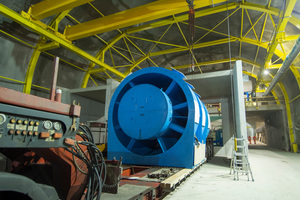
<point>155,118</point>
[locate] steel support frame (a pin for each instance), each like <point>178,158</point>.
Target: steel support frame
<point>37,52</point>
<point>284,17</point>
<point>245,5</point>
<point>53,35</point>
<point>140,14</point>
<point>202,45</point>
<point>294,146</point>
<point>201,13</point>
<point>47,8</point>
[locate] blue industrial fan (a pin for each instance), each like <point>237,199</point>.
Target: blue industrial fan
<point>156,119</point>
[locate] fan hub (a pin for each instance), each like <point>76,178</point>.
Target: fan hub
<point>145,112</point>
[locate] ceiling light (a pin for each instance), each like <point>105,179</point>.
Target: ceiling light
<point>266,71</point>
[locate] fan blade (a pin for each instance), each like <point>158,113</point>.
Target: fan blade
<point>177,128</point>
<point>117,127</point>
<point>170,88</point>
<point>180,117</point>
<point>131,84</point>
<point>162,144</point>
<point>181,105</point>
<point>131,143</point>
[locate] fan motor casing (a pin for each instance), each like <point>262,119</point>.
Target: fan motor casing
<point>155,118</point>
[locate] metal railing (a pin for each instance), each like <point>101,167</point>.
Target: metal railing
<point>262,101</point>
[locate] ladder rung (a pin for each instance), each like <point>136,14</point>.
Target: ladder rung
<point>239,171</point>
<point>240,154</point>
<point>240,161</point>
<point>240,146</point>
<point>239,139</point>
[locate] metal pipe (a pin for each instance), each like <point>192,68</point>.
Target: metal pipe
<point>54,78</point>
<point>284,67</point>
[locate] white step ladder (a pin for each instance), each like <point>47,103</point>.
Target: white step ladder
<point>239,160</point>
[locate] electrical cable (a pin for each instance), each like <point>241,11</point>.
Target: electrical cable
<point>94,160</point>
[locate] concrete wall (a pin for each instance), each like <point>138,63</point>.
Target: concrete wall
<point>90,110</point>
<point>227,126</point>
<point>14,59</point>
<point>276,131</point>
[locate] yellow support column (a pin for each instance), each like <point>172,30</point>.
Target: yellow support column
<point>30,71</point>
<point>294,146</point>
<point>47,8</point>
<point>41,46</point>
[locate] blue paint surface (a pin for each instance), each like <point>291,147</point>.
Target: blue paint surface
<point>155,118</point>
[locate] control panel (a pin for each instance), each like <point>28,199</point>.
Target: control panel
<point>25,127</point>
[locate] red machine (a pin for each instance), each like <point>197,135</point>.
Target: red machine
<point>47,157</point>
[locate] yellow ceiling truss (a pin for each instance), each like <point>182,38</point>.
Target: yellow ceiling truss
<point>61,39</point>
<point>207,12</point>
<point>279,35</point>
<point>133,16</point>
<point>48,8</point>
<point>30,20</point>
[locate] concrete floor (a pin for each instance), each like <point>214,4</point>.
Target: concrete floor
<point>276,174</point>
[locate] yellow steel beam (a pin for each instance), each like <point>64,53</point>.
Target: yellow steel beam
<point>30,71</point>
<point>213,62</point>
<point>250,6</point>
<point>94,71</point>
<point>108,45</point>
<point>206,44</point>
<point>140,14</point>
<point>160,37</point>
<point>196,46</point>
<point>275,61</point>
<point>100,55</point>
<point>11,79</point>
<point>217,42</point>
<point>217,25</point>
<point>274,66</point>
<point>43,30</point>
<point>93,81</point>
<point>41,46</point>
<point>262,32</point>
<point>276,98</point>
<point>50,7</point>
<point>274,95</point>
<point>48,46</point>
<point>252,25</point>
<point>241,32</point>
<point>260,91</point>
<point>154,41</point>
<point>183,17</point>
<point>128,49</point>
<point>112,58</point>
<point>129,70</point>
<point>294,146</point>
<point>284,16</point>
<point>206,29</point>
<point>19,40</point>
<point>250,74</point>
<point>213,10</point>
<point>64,61</point>
<point>135,46</point>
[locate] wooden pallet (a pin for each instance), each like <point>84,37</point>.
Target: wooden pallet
<point>170,183</point>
